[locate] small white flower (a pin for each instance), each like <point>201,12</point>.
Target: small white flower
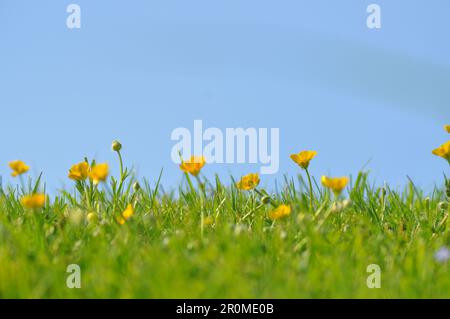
<point>166,241</point>
<point>442,255</point>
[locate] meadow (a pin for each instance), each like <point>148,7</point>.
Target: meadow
<point>312,238</point>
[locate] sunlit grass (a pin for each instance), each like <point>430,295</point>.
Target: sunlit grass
<point>230,239</point>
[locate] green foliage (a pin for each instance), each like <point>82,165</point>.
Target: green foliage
<point>211,240</point>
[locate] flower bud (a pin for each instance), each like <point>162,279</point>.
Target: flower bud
<point>116,146</point>
<point>136,186</point>
<point>265,199</point>
<point>443,205</point>
<point>92,217</point>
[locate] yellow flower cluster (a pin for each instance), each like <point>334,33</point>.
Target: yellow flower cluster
<point>248,182</point>
<point>32,201</point>
<point>336,184</point>
<point>97,173</point>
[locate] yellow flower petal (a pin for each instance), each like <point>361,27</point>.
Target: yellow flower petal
<point>99,173</point>
<point>193,166</point>
<point>33,201</point>
<point>79,172</point>
<point>336,184</point>
<point>18,168</point>
<point>128,212</point>
<point>303,158</point>
<point>280,212</point>
<point>443,151</point>
<point>248,182</point>
<point>120,220</point>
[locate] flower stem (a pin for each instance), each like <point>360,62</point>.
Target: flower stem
<point>310,189</point>
<point>202,219</point>
<point>201,185</point>
<point>252,211</point>
<point>191,187</point>
<point>22,184</point>
<point>121,166</point>
<point>261,195</point>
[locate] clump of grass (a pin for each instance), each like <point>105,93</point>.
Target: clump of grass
<point>212,240</point>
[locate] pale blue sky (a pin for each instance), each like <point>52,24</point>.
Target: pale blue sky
<point>138,69</point>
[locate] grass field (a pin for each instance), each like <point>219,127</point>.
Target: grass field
<point>210,239</point>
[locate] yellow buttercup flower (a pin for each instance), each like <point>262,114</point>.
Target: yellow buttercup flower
<point>447,128</point>
<point>79,172</point>
<point>443,151</point>
<point>33,201</point>
<point>303,158</point>
<point>193,166</point>
<point>18,168</point>
<point>280,212</point>
<point>208,221</point>
<point>248,182</point>
<point>99,173</point>
<point>126,214</point>
<point>120,220</point>
<point>336,184</point>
